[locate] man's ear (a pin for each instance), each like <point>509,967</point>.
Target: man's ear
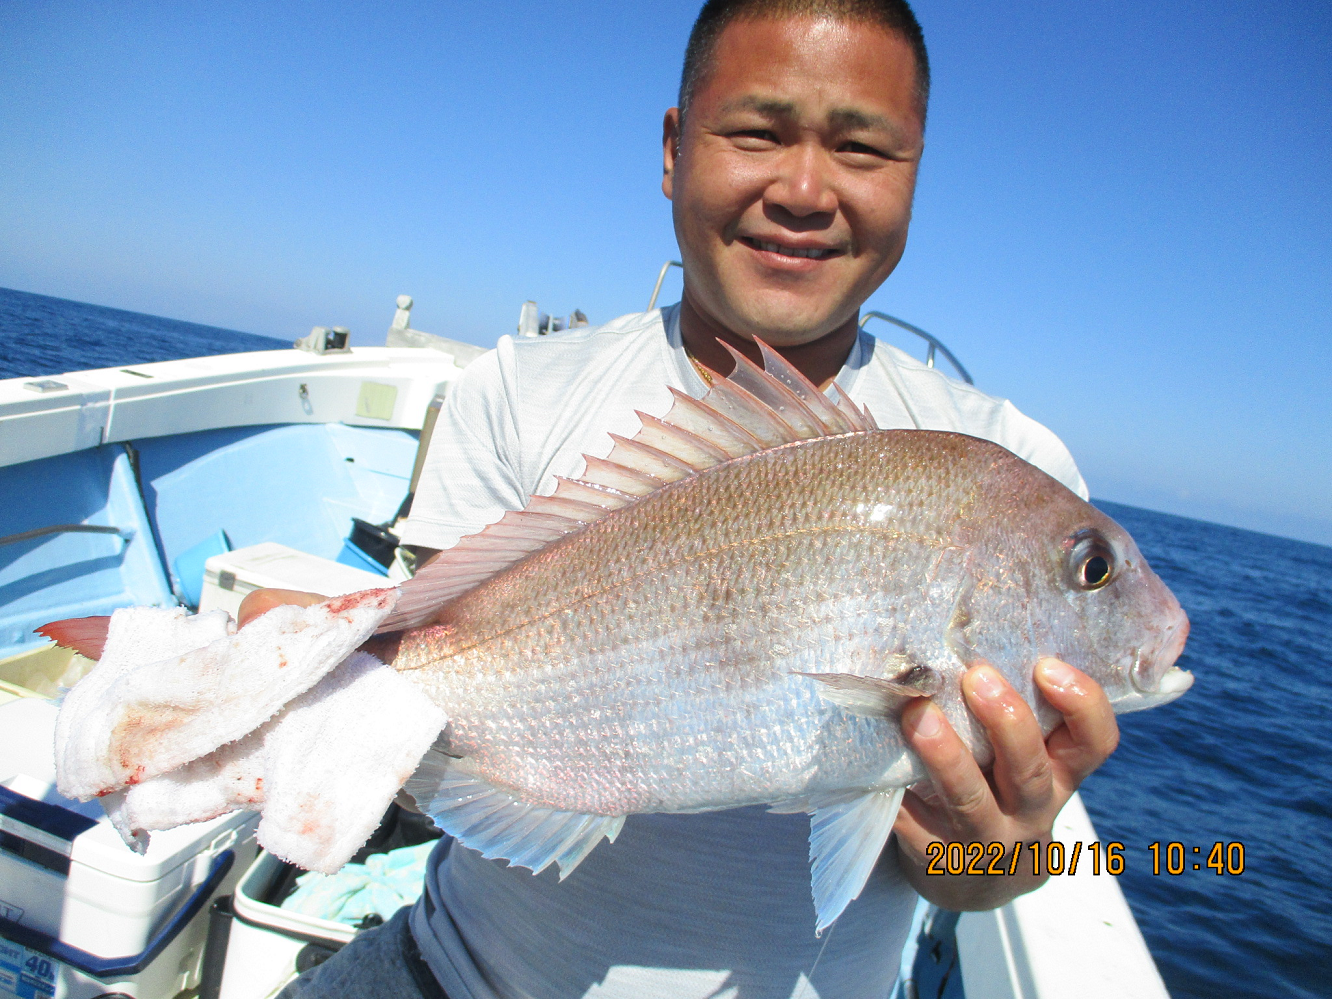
<point>670,150</point>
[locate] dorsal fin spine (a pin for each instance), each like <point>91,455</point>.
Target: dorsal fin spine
<point>698,452</point>
<point>571,509</point>
<point>738,404</point>
<point>770,391</point>
<point>592,493</point>
<point>690,414</point>
<point>668,467</point>
<point>819,405</point>
<point>629,478</point>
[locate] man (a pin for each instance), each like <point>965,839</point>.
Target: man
<point>790,164</point>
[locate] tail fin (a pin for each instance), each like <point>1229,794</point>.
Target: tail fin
<point>85,635</point>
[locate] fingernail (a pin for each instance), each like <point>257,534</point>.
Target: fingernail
<point>1058,674</point>
<point>987,683</point>
<point>929,722</point>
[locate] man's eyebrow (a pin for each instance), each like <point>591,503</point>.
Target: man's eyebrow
<point>848,119</point>
<point>770,106</point>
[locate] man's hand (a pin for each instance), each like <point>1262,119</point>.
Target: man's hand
<point>262,601</point>
<point>1031,780</point>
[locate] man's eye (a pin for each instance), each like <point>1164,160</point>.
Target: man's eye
<point>754,138</point>
<point>859,148</point>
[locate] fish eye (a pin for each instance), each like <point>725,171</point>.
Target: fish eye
<point>1091,560</point>
<point>1094,571</point>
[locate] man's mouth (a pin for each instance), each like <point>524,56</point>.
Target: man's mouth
<point>807,252</point>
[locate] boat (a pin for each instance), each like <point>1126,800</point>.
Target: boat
<point>190,482</point>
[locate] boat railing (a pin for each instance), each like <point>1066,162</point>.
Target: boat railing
<point>124,533</point>
<point>661,277</point>
<point>936,345</point>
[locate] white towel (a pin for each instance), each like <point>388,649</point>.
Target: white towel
<point>337,756</point>
<point>322,772</point>
<point>226,780</point>
<point>185,718</point>
<point>135,635</point>
<point>161,701</point>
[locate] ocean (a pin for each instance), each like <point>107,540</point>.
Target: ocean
<point>1243,758</point>
<point>40,335</point>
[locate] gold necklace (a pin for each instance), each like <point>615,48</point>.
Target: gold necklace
<point>703,370</point>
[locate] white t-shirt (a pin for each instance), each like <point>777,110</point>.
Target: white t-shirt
<point>709,906</point>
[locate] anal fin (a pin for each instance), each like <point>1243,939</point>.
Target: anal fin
<point>845,840</point>
<point>497,825</point>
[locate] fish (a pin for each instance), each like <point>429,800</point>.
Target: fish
<point>733,608</point>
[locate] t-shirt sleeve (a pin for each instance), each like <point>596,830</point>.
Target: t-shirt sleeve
<point>471,475</point>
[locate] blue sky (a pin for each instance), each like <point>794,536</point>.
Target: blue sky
<point>1124,220</point>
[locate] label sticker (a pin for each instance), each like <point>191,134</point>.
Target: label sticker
<point>26,974</point>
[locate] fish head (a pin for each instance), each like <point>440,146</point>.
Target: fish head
<point>1132,628</point>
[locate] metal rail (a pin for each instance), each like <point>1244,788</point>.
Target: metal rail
<point>41,532</point>
<point>935,343</point>
<point>656,288</point>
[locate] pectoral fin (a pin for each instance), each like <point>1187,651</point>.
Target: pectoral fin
<point>845,840</point>
<point>873,696</point>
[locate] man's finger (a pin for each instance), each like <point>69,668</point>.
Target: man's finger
<point>961,787</point>
<point>1022,773</point>
<point>917,826</point>
<point>259,602</point>
<point>1089,733</point>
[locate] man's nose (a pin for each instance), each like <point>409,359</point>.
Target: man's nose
<point>803,185</point>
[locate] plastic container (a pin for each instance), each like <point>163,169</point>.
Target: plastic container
<point>44,671</point>
<point>230,576</point>
<point>266,944</point>
<point>80,913</point>
<point>270,945</point>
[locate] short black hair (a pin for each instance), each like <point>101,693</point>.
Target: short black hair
<point>895,16</point>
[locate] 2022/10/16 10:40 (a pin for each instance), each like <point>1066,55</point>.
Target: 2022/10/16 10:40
<point>1054,858</point>
<point>1223,858</point>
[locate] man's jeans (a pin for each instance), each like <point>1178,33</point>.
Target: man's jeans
<point>379,963</point>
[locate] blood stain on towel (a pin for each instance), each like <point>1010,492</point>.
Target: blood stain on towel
<point>140,733</point>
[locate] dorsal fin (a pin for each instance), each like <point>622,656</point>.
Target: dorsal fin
<point>751,410</point>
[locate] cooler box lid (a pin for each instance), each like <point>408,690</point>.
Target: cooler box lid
<point>242,570</point>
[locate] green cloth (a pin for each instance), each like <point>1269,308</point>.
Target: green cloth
<point>383,884</point>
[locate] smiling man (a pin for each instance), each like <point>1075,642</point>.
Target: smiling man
<point>790,164</point>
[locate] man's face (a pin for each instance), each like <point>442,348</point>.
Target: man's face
<point>793,177</point>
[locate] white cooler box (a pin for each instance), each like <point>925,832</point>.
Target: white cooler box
<point>266,940</point>
<point>229,577</point>
<point>82,915</point>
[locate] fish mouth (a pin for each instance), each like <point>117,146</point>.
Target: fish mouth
<point>1150,690</point>
<point>1174,683</point>
<point>1151,666</point>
